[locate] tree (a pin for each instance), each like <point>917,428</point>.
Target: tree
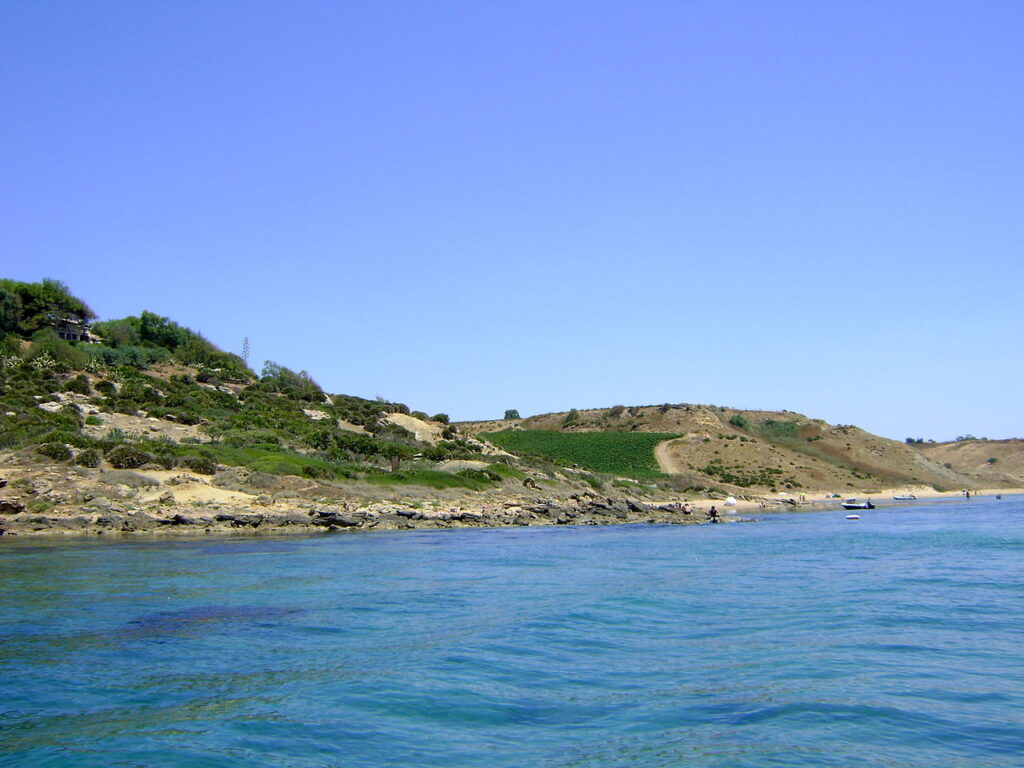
<point>10,310</point>
<point>512,413</point>
<point>42,304</point>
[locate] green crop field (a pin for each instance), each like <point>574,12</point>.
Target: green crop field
<point>614,453</point>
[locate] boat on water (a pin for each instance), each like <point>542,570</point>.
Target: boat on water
<point>905,497</point>
<point>854,504</point>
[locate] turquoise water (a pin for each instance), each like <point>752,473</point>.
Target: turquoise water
<point>804,639</point>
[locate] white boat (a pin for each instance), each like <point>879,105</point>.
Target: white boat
<point>853,517</point>
<point>854,504</point>
<point>905,497</point>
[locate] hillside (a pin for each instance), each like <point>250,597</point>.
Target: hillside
<point>986,462</point>
<point>751,451</point>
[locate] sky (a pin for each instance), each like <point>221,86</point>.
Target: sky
<point>475,206</point>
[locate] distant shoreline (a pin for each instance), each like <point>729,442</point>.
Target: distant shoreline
<point>234,516</point>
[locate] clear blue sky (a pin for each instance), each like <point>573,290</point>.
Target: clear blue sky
<point>474,206</point>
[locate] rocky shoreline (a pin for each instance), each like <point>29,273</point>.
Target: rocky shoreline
<point>118,519</point>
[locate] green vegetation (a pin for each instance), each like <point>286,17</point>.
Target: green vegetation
<point>26,308</point>
<point>768,477</point>
<point>777,430</point>
<point>739,421</point>
<point>431,479</point>
<point>615,453</point>
<point>504,470</point>
<point>512,413</point>
<point>281,422</point>
<point>147,339</point>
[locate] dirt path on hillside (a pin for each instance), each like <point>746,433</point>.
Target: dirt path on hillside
<point>665,462</point>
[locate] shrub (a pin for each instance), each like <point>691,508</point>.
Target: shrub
<point>572,417</point>
<point>54,450</point>
<point>89,457</point>
<point>616,410</point>
<point>202,465</point>
<point>739,421</point>
<point>441,417</point>
<point>105,387</point>
<point>512,413</point>
<point>127,456</point>
<point>79,384</point>
<point>318,472</point>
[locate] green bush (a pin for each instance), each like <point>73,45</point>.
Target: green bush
<point>441,417</point>
<point>89,457</point>
<point>54,450</point>
<point>483,475</point>
<point>512,413</point>
<point>739,421</point>
<point>778,430</point>
<point>202,465</point>
<point>319,472</point>
<point>79,384</point>
<point>127,456</point>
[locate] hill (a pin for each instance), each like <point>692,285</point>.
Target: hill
<point>743,451</point>
<point>985,462</point>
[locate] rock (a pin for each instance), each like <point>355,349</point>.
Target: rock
<point>334,519</point>
<point>11,507</point>
<point>638,508</point>
<point>291,517</point>
<point>412,514</point>
<point>179,519</point>
<point>240,519</point>
<point>167,498</point>
<point>138,521</point>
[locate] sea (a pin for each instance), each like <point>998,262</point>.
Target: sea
<point>798,639</point>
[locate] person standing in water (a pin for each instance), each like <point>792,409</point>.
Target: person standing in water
<point>713,514</point>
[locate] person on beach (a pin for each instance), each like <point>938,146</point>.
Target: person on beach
<point>713,515</point>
